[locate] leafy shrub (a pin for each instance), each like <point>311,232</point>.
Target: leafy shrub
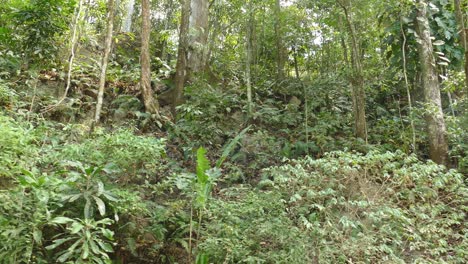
<point>17,149</point>
<point>7,95</point>
<point>247,226</point>
<point>133,157</point>
<point>39,207</point>
<point>379,207</point>
<point>457,130</point>
<point>24,212</point>
<point>203,119</point>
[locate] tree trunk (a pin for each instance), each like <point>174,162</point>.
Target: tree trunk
<point>357,79</point>
<point>127,25</point>
<point>438,149</point>
<point>151,105</point>
<point>463,36</point>
<point>198,24</point>
<point>279,43</point>
<point>181,67</point>
<point>248,55</point>
<point>105,58</point>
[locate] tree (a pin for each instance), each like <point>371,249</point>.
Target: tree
<point>463,32</point>
<point>357,78</point>
<point>438,148</point>
<point>198,24</point>
<point>151,105</point>
<point>127,24</point>
<point>279,42</point>
<point>248,55</point>
<point>181,67</point>
<point>105,58</point>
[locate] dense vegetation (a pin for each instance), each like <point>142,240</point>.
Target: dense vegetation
<point>229,131</point>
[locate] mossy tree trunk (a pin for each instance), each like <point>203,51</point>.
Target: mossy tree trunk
<point>181,67</point>
<point>105,58</point>
<point>151,105</point>
<point>438,149</point>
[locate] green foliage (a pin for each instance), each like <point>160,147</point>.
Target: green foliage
<point>247,226</point>
<point>131,157</point>
<point>17,149</point>
<point>202,119</point>
<point>85,184</point>
<point>88,239</point>
<point>33,27</point>
<point>24,212</point>
<point>375,207</point>
<point>457,130</point>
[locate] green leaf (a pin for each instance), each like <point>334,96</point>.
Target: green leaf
<point>87,209</point>
<point>202,165</point>
<point>100,188</point>
<point>109,234</point>
<point>65,256</point>
<point>85,251</point>
<point>94,247</point>
<point>202,259</point>
<point>101,205</point>
<point>61,220</point>
<point>110,196</point>
<point>58,242</point>
<point>230,147</point>
<point>37,236</point>
<point>106,246</point>
<point>76,227</point>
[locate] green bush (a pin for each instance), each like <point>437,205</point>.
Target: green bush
<point>131,157</point>
<point>17,148</point>
<point>379,207</point>
<point>246,226</point>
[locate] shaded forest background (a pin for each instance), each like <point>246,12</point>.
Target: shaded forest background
<point>229,131</point>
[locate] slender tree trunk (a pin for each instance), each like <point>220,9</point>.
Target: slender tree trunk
<point>105,58</point>
<point>357,80</point>
<point>181,67</point>
<point>169,10</point>
<point>408,93</point>
<point>438,148</point>
<point>248,60</point>
<point>127,25</point>
<point>296,64</point>
<point>463,36</point>
<point>198,24</point>
<point>279,43</point>
<point>151,105</point>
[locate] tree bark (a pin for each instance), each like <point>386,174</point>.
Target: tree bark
<point>248,55</point>
<point>151,105</point>
<point>105,58</point>
<point>438,148</point>
<point>127,25</point>
<point>198,24</point>
<point>181,67</point>
<point>280,61</point>
<point>463,36</point>
<point>357,79</point>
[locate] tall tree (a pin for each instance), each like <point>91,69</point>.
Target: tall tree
<point>127,23</point>
<point>181,67</point>
<point>357,78</point>
<point>438,148</point>
<point>105,58</point>
<point>463,31</point>
<point>248,55</point>
<point>151,105</point>
<point>280,60</point>
<point>198,24</point>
